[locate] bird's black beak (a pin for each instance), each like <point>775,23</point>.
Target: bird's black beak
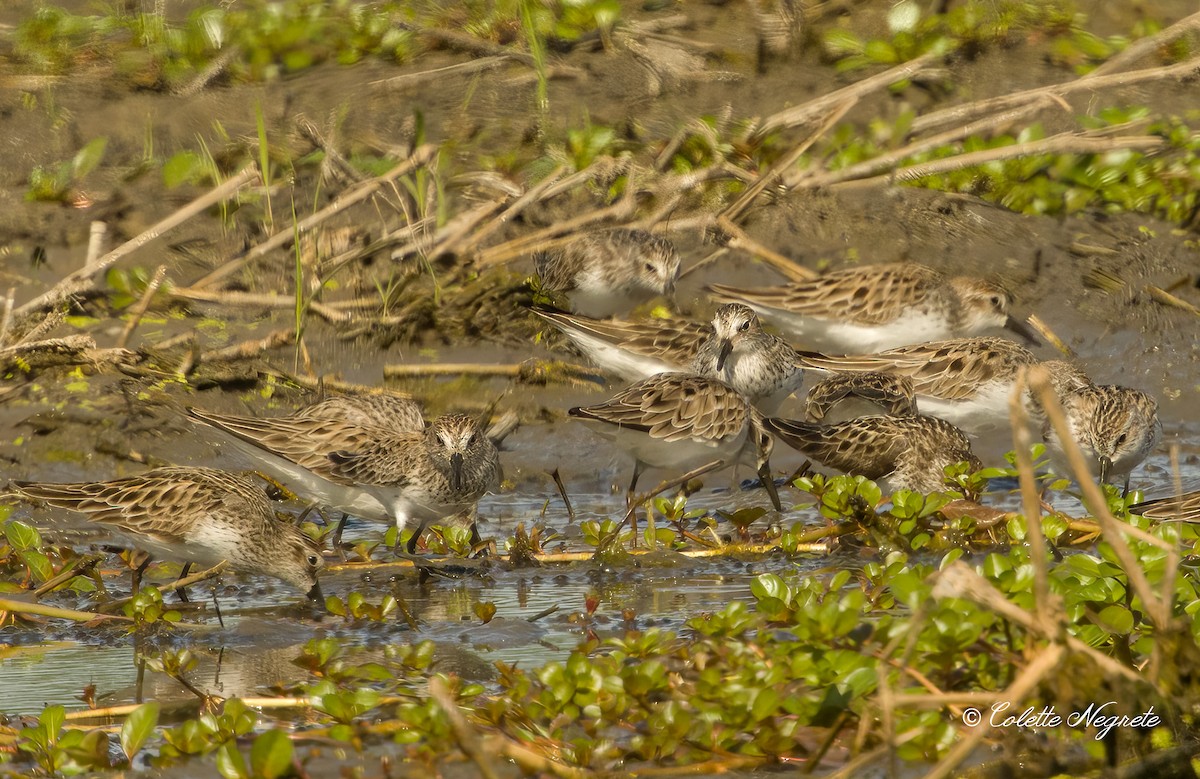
<point>456,471</point>
<point>1022,329</point>
<point>723,355</point>
<point>768,481</point>
<point>1105,468</point>
<point>315,593</point>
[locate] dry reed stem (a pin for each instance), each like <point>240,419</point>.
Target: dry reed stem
<point>83,278</point>
<point>805,112</point>
<point>1043,329</point>
<point>448,239</point>
<point>420,156</point>
<point>9,301</point>
<point>80,566</point>
<point>530,196</point>
<point>663,486</point>
<point>143,305</point>
<point>781,167</point>
<point>42,610</point>
<point>396,83</point>
<point>739,240</point>
<point>1043,665</point>
<point>530,761</point>
<point>812,179</point>
<point>97,232</point>
<point>1158,610</point>
<point>252,347</point>
<point>1146,45</point>
<point>466,736</point>
<point>334,165</point>
<point>330,383</point>
<point>1031,504</point>
<point>531,371</point>
<point>209,72</point>
<point>259,300</point>
<point>1166,298</point>
<point>1063,143</point>
<point>959,580</point>
<point>1090,82</point>
<point>505,252</point>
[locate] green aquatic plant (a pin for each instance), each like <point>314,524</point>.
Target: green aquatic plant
<point>970,25</point>
<point>60,182</point>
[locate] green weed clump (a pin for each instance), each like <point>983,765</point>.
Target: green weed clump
<point>270,39</point>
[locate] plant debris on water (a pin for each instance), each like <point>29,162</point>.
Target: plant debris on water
<point>273,200</point>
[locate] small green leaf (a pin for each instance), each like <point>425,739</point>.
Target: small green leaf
<point>1117,619</point>
<point>137,728</point>
<point>230,762</point>
<point>89,157</point>
<point>485,610</point>
<point>52,719</point>
<point>22,536</point>
<point>271,754</point>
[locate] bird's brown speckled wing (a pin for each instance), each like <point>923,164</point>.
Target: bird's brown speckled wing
<point>154,503</point>
<point>306,441</point>
<point>674,407</point>
<point>1186,507</point>
<point>952,369</point>
<point>894,394</point>
<point>868,295</point>
<point>676,340</point>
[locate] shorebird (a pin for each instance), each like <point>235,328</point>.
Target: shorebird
<point>876,307</point>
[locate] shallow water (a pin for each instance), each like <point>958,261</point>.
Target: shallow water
<point>257,643</point>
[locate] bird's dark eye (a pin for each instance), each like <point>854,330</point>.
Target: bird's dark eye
<point>471,441</point>
<point>1121,439</point>
<point>745,325</point>
<point>313,559</point>
<point>650,267</point>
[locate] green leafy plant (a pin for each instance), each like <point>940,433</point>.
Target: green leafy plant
<point>60,183</point>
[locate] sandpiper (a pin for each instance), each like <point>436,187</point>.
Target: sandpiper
<point>609,272</point>
<point>966,381</point>
<point>876,307</point>
<point>681,421</point>
<point>903,452</point>
<point>1116,427</point>
<point>372,472</point>
<point>733,347</point>
<point>843,396</point>
<point>193,515</point>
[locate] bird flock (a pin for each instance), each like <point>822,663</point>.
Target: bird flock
<point>909,367</point>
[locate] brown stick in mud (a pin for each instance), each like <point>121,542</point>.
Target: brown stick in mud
<point>780,169</point>
<point>806,112</point>
<point>83,279</point>
<point>530,371</point>
<point>143,305</point>
<point>739,240</point>
<point>260,300</point>
<point>1090,82</point>
<point>1063,143</point>
<point>252,348</point>
<point>421,156</point>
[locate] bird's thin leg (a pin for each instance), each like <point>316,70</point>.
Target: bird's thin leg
<point>337,535</point>
<point>217,608</point>
<point>137,575</point>
<point>562,491</point>
<point>183,596</point>
<point>411,546</point>
<point>637,471</point>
